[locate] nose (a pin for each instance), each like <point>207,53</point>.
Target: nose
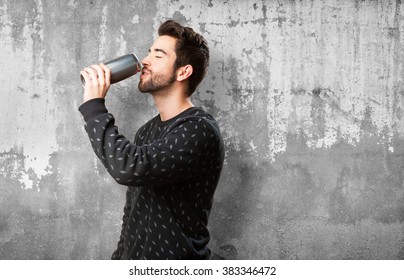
<point>146,61</point>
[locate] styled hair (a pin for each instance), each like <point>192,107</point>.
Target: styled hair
<point>191,48</point>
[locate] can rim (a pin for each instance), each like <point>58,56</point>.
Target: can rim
<point>138,61</point>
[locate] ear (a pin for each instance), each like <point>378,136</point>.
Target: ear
<point>184,72</point>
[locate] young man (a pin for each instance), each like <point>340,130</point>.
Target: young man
<point>173,166</point>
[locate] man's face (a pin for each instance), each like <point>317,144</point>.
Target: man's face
<point>158,71</point>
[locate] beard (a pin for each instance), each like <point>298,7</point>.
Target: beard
<point>156,82</point>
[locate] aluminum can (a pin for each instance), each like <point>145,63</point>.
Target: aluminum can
<point>122,68</point>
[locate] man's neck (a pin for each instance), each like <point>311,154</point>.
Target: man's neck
<point>171,104</point>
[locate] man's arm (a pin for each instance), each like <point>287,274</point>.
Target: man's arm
<point>190,148</point>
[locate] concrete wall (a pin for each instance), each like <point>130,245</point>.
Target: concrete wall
<point>309,96</point>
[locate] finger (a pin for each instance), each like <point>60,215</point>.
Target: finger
<point>86,77</point>
<point>100,74</point>
<point>92,73</point>
<point>107,74</point>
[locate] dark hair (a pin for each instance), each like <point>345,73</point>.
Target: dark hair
<point>191,48</point>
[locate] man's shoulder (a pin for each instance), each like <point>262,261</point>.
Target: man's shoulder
<point>188,118</point>
<point>198,118</point>
<point>196,114</point>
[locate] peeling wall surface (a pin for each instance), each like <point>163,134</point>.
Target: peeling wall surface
<point>308,94</point>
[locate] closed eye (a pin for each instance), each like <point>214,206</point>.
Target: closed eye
<point>158,51</point>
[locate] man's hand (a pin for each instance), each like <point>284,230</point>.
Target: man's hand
<point>97,81</point>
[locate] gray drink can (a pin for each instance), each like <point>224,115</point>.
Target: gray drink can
<point>122,67</point>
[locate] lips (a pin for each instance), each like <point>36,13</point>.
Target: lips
<point>144,72</point>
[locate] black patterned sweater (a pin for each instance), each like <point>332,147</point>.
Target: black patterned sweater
<point>171,172</point>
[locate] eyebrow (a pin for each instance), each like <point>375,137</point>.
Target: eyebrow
<point>159,50</point>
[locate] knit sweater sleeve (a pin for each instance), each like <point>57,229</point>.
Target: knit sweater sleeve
<point>190,148</point>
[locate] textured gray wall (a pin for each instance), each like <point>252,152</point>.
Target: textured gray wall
<point>309,96</point>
